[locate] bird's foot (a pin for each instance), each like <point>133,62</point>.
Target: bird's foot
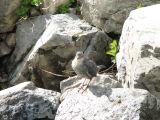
<point>83,86</point>
<point>82,89</point>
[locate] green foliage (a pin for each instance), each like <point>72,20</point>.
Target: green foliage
<point>23,11</point>
<point>65,7</point>
<point>26,5</point>
<point>139,6</point>
<point>78,9</point>
<point>113,50</point>
<point>36,2</point>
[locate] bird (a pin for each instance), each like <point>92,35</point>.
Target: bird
<point>84,67</point>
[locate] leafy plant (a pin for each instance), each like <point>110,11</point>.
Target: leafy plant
<point>139,6</point>
<point>23,11</point>
<point>26,5</point>
<point>65,7</point>
<point>78,9</point>
<point>113,50</point>
<point>36,2</point>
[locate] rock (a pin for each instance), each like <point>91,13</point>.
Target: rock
<point>11,40</point>
<point>34,12</point>
<point>51,6</point>
<point>3,78</point>
<point>3,36</point>
<point>111,104</point>
<point>4,49</point>
<point>27,102</point>
<point>110,15</point>
<point>102,81</point>
<point>8,16</point>
<point>72,10</point>
<point>138,60</point>
<point>48,46</point>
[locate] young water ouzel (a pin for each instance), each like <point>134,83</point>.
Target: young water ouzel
<point>84,67</point>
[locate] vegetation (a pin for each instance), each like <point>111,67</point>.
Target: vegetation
<point>113,50</point>
<point>78,9</point>
<point>139,6</point>
<point>65,7</point>
<point>26,5</point>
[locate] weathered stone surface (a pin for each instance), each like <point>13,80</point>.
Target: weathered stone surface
<point>110,15</point>
<point>27,102</point>
<point>8,16</point>
<point>51,6</point>
<point>49,43</point>
<point>4,49</point>
<point>11,40</point>
<point>34,12</point>
<point>103,81</point>
<point>111,104</point>
<point>138,60</point>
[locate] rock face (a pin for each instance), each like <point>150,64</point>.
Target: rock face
<point>8,15</point>
<point>102,81</point>
<point>51,6</point>
<point>7,43</point>
<point>110,15</point>
<point>138,60</point>
<point>4,49</point>
<point>102,102</point>
<point>49,43</point>
<point>27,102</point>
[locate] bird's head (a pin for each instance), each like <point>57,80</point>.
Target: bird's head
<point>79,54</point>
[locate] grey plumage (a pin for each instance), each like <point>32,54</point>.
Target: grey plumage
<point>83,66</point>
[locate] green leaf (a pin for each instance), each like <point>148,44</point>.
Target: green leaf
<point>65,7</point>
<point>139,6</point>
<point>23,11</point>
<point>26,2</point>
<point>113,50</point>
<point>36,2</point>
<point>26,5</point>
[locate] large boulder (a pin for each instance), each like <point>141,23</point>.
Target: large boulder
<point>47,44</point>
<point>7,43</point>
<point>4,49</point>
<point>101,80</point>
<point>8,16</point>
<point>27,102</point>
<point>138,60</point>
<point>102,102</point>
<point>110,15</point>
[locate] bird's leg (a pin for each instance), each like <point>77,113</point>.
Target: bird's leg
<point>82,84</point>
<point>85,86</point>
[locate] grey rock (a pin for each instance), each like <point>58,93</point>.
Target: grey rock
<point>3,36</point>
<point>34,12</point>
<point>110,15</point>
<point>8,16</point>
<point>27,102</point>
<point>138,61</point>
<point>72,10</point>
<point>113,104</point>
<point>49,43</point>
<point>4,49</point>
<point>3,78</point>
<point>101,83</point>
<point>27,34</point>
<point>11,40</point>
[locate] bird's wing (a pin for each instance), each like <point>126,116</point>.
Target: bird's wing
<point>91,67</point>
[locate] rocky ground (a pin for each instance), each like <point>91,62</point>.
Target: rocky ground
<point>36,78</point>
